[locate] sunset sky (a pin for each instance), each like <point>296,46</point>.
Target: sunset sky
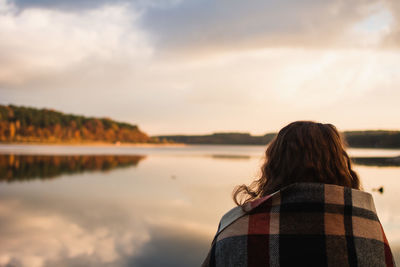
<point>202,66</point>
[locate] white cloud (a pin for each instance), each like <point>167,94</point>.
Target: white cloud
<point>39,42</point>
<point>104,62</point>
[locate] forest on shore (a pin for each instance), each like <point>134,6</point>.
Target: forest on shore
<point>26,124</point>
<point>32,125</point>
<point>357,139</point>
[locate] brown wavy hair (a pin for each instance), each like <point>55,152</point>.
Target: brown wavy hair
<point>303,151</point>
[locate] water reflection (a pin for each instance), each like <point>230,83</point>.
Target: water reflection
<point>162,212</point>
<point>29,167</point>
<point>58,236</point>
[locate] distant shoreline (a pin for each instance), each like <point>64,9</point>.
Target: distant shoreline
<point>105,144</point>
<point>97,144</point>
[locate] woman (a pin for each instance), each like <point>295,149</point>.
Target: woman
<point>306,209</point>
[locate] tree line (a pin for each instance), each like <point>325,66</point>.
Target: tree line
<point>220,139</point>
<point>359,139</point>
<point>26,124</point>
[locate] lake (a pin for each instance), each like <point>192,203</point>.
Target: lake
<point>141,206</point>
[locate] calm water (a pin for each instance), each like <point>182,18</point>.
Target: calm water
<point>136,206</point>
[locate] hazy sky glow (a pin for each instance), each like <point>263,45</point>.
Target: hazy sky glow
<point>200,66</point>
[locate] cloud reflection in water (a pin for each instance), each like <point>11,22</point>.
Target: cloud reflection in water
<point>140,216</point>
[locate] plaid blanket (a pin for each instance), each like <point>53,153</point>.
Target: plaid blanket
<point>304,224</point>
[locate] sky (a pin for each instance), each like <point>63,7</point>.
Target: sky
<point>203,66</point>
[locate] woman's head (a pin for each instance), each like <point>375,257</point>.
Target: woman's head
<point>303,151</point>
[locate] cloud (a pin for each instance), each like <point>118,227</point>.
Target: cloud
<point>37,43</point>
<point>201,66</point>
<point>67,5</point>
<point>226,24</point>
<point>83,5</point>
<point>191,26</point>
<point>392,39</point>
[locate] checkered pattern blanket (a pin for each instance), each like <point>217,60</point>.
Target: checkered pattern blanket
<point>304,224</point>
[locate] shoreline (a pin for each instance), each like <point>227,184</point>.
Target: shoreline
<point>105,144</point>
<point>96,144</point>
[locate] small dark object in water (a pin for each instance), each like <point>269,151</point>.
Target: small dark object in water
<point>380,189</point>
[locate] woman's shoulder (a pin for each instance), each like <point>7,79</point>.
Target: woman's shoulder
<point>239,211</point>
<point>231,216</point>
